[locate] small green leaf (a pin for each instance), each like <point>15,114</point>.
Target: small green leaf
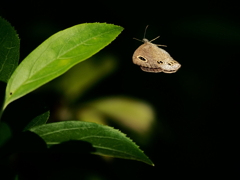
<point>58,54</point>
<point>106,140</point>
<point>39,120</point>
<point>9,50</point>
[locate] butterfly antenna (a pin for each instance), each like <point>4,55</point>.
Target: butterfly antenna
<point>138,39</point>
<point>155,38</point>
<point>145,31</point>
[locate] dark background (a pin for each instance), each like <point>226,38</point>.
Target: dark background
<point>198,104</point>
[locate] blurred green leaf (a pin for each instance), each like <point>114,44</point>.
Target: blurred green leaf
<point>58,54</point>
<point>106,140</point>
<point>133,113</point>
<point>9,50</point>
<point>93,70</point>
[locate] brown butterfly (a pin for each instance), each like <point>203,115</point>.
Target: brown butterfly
<point>151,58</point>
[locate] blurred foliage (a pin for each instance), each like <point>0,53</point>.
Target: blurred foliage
<point>133,114</point>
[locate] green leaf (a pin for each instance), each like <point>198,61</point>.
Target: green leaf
<point>39,120</point>
<point>58,54</point>
<point>9,50</point>
<point>106,140</point>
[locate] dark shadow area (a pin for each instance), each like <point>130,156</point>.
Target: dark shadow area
<point>12,151</point>
<point>3,86</point>
<point>70,159</point>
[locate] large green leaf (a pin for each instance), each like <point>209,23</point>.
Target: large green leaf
<point>105,140</point>
<point>58,54</point>
<point>9,50</point>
